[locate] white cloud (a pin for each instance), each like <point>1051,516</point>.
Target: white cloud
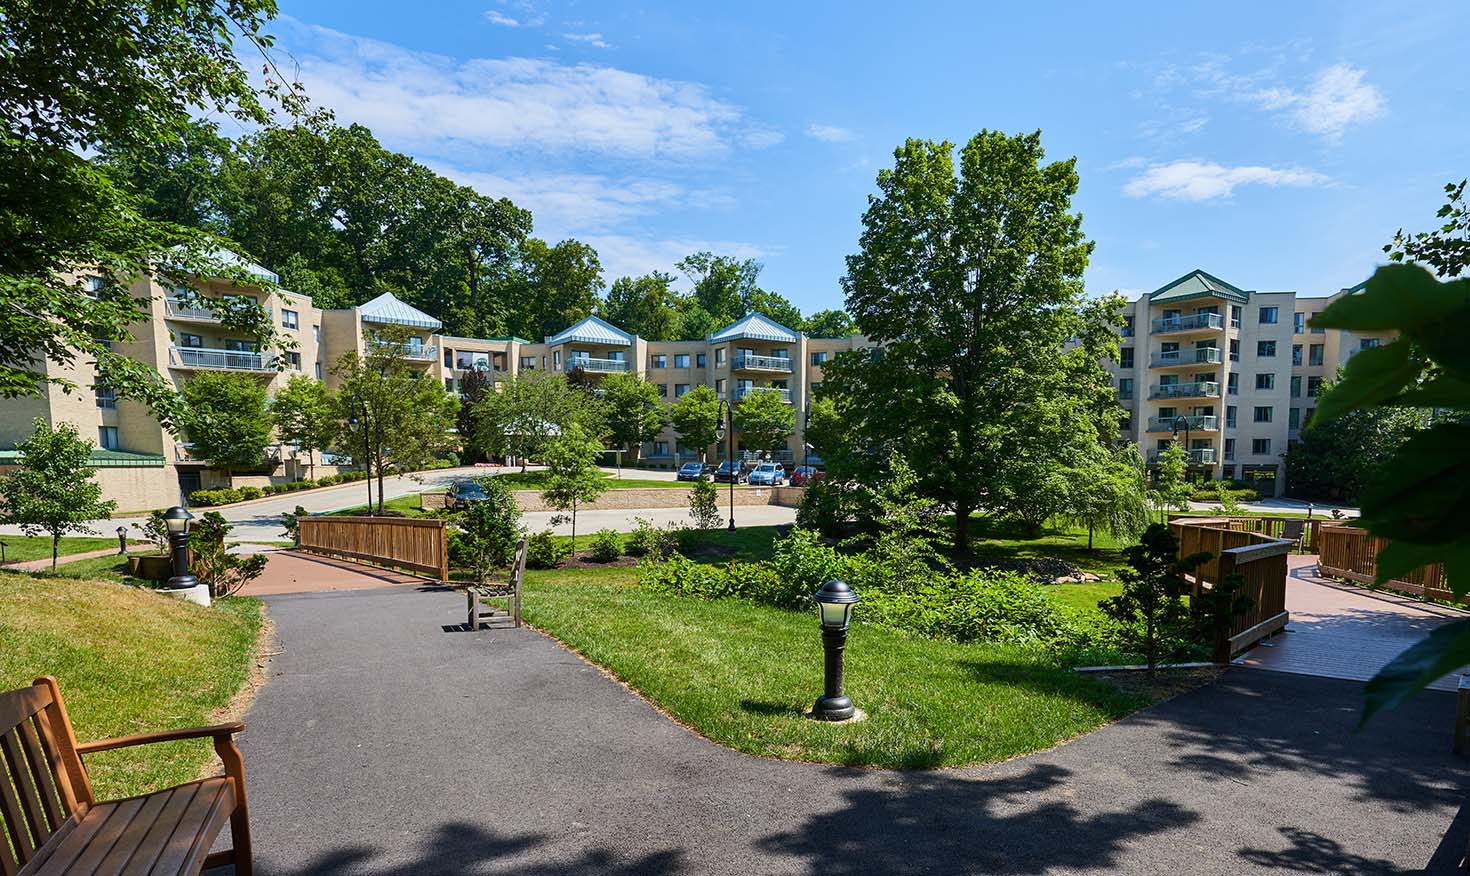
<point>830,133</point>
<point>627,256</point>
<point>591,39</point>
<point>762,138</point>
<point>1337,98</point>
<point>1208,181</point>
<point>419,99</point>
<point>526,16</point>
<point>501,19</point>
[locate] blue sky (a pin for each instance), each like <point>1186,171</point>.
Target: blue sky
<point>1275,145</point>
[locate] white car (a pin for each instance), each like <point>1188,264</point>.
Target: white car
<point>768,474</point>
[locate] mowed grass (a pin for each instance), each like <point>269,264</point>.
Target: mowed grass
<point>19,548</point>
<point>128,661</point>
<point>742,674</point>
<point>536,480</point>
<point>407,505</point>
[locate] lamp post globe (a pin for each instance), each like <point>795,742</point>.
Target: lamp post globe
<point>834,606</point>
<point>122,539</point>
<point>177,520</point>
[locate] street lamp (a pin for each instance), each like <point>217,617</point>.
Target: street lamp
<point>366,452</point>
<point>834,606</point>
<point>177,521</point>
<point>1182,422</point>
<point>726,428</point>
<point>122,539</point>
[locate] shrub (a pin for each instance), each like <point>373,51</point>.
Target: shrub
<point>821,507</point>
<point>490,530</point>
<point>704,510</point>
<point>1210,492</point>
<point>543,551</point>
<point>982,605</point>
<point>647,539</point>
<point>289,520</point>
<point>607,546</point>
<point>155,529</point>
<point>452,459</point>
<point>247,493</point>
<point>805,564</point>
<point>212,563</point>
<point>207,498</point>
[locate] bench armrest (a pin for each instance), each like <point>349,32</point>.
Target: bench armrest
<point>216,730</point>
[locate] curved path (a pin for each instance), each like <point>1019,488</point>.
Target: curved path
<point>387,744</point>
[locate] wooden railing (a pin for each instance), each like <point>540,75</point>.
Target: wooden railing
<point>1351,554</point>
<point>1274,527</point>
<point>418,545</point>
<point>1257,558</point>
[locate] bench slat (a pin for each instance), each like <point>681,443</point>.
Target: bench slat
<point>30,743</point>
<point>130,840</point>
<point>115,819</point>
<point>154,841</point>
<point>57,760</point>
<point>19,705</point>
<point>196,831</point>
<point>33,817</point>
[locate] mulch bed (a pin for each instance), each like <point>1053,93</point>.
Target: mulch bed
<point>1161,684</point>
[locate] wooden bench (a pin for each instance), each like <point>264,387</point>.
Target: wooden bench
<point>53,824</point>
<point>509,590</point>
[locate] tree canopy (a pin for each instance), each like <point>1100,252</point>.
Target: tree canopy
<point>54,490</point>
<point>226,419</point>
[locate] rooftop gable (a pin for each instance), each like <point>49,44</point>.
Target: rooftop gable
<point>387,308</point>
<point>756,327</point>
<point>592,330</point>
<point>1197,284</point>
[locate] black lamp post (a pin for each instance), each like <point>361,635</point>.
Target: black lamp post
<point>366,452</point>
<point>122,539</point>
<point>1182,422</point>
<point>726,429</point>
<point>177,520</point>
<point>834,604</point>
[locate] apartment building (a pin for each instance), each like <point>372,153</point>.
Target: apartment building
<point>1232,373</point>
<point>141,465</point>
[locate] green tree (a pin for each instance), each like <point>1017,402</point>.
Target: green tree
<point>53,491</point>
<point>1151,609</point>
<point>695,416</point>
<point>633,410</point>
<point>1112,495</point>
<point>489,530</point>
<point>704,507</point>
<point>572,475</point>
<point>226,419</point>
<point>1171,487</point>
<point>970,279</point>
<point>474,387</point>
<point>829,324</point>
<point>305,415</point>
<point>212,563</point>
<point>1337,461</point>
<point>646,306</point>
<point>561,284</point>
<point>145,72</point>
<point>764,421</point>
<point>1446,249</point>
<point>529,410</point>
<point>404,418</point>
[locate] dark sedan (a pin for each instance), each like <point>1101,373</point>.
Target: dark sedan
<point>462,493</point>
<point>693,471</point>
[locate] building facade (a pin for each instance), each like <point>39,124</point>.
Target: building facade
<point>1232,374</point>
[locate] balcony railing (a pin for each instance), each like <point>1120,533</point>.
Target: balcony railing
<point>601,366</point>
<point>745,391</point>
<point>1198,456</point>
<point>417,352</point>
<point>229,360</point>
<point>173,308</point>
<point>1198,389</point>
<point>1197,356</point>
<point>1195,423</point>
<point>751,362</point>
<point>1195,322</point>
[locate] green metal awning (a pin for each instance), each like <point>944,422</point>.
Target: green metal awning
<point>1197,284</point>
<point>102,458</point>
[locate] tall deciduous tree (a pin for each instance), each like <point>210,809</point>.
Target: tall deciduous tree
<point>696,418</point>
<point>971,280</point>
<point>563,281</point>
<point>53,491</point>
<point>646,306</point>
<point>226,419</point>
<point>829,324</point>
<point>305,415</point>
<point>1337,461</point>
<point>572,475</point>
<point>530,410</point>
<point>764,421</point>
<point>633,410</point>
<point>1171,485</point>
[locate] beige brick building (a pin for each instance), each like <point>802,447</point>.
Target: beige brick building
<point>1234,373</point>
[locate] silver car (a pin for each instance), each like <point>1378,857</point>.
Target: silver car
<point>769,474</point>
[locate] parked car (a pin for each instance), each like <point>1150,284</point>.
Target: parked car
<point>739,472</point>
<point>693,471</point>
<point>462,493</point>
<point>805,474</point>
<point>768,474</point>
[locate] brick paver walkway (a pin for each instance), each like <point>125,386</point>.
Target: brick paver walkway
<point>300,572</point>
<point>1344,631</point>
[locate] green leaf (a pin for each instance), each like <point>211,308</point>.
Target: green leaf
<point>1404,297</point>
<point>1444,650</point>
<point>1399,558</point>
<point>1422,493</point>
<point>1372,376</point>
<point>1443,391</point>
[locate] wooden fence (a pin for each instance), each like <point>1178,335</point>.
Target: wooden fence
<point>418,545</point>
<point>1270,526</point>
<point>1258,558</point>
<point>1351,554</point>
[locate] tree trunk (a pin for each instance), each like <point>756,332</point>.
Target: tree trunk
<point>962,529</point>
<point>574,529</point>
<point>1089,535</point>
<point>55,548</point>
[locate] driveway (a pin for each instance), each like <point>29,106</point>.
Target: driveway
<point>384,744</point>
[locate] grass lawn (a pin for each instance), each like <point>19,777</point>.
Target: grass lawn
<point>742,674</point>
<point>536,480</point>
<point>19,548</point>
<point>407,505</point>
<point>129,661</point>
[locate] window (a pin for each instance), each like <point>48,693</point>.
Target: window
<point>1298,322</point>
<point>1125,425</point>
<point>659,360</point>
<point>1314,354</point>
<point>106,396</point>
<point>819,358</point>
<point>1367,343</point>
<point>448,358</point>
<point>1314,387</point>
<point>720,387</point>
<point>1262,414</point>
<point>316,333</point>
<point>449,384</point>
<point>293,360</point>
<point>528,363</point>
<point>1265,349</point>
<point>1229,448</point>
<point>1125,388</point>
<point>1294,418</point>
<point>543,361</point>
<point>1235,311</point>
<point>1230,411</point>
<point>1266,381</point>
<point>188,340</point>
<point>288,319</point>
<point>681,360</point>
<point>720,356</point>
<point>680,389</point>
<point>1234,349</point>
<point>236,345</point>
<point>1296,386</point>
<point>556,358</point>
<point>660,448</point>
<point>1307,417</point>
<point>1232,384</point>
<point>107,437</point>
<point>318,371</point>
<point>1268,315</point>
<point>92,285</point>
<point>1318,330</point>
<point>700,360</point>
<point>1296,354</point>
<point>1261,446</point>
<point>1125,357</point>
<point>1127,326</point>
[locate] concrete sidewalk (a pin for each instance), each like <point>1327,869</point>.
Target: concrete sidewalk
<point>384,744</point>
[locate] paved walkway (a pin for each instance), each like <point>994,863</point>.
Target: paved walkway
<point>301,572</point>
<point>1345,631</point>
<point>385,745</point>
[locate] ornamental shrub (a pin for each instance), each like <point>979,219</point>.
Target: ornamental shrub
<point>543,551</point>
<point>607,546</point>
<point>248,493</point>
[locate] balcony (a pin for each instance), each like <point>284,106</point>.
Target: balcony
<point>599,366</point>
<point>1198,456</point>
<point>745,391</point>
<point>751,362</point>
<point>1196,423</point>
<point>1196,356</point>
<point>1198,389</point>
<point>416,352</point>
<point>173,308</point>
<point>1199,322</point>
<point>220,360</point>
